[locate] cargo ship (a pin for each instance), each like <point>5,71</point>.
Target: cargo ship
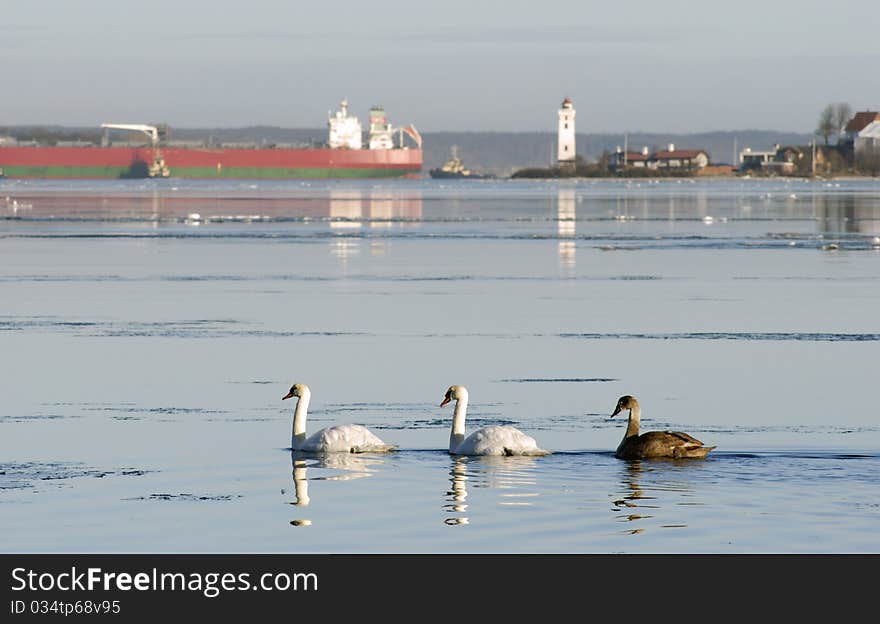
<point>389,152</point>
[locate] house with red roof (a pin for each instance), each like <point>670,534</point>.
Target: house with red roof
<point>676,158</point>
<point>868,138</point>
<point>621,159</point>
<point>859,122</point>
<point>670,158</point>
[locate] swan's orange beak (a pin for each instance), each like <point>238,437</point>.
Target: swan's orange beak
<point>445,401</point>
<point>288,395</point>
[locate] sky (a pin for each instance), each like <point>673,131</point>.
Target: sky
<point>651,66</point>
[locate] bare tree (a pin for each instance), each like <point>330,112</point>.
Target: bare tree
<point>842,113</point>
<point>826,123</point>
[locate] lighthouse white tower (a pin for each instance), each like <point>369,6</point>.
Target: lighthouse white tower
<point>566,153</point>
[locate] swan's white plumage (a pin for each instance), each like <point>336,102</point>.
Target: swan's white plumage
<point>343,439</point>
<point>335,439</point>
<point>498,440</point>
<point>492,440</point>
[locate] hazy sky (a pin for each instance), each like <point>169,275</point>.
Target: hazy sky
<point>658,65</point>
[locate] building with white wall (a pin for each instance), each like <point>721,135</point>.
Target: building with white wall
<point>868,138</point>
<point>566,149</point>
<point>345,130</point>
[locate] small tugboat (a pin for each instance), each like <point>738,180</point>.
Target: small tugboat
<point>454,169</point>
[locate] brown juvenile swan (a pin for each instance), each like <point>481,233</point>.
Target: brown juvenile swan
<point>674,444</point>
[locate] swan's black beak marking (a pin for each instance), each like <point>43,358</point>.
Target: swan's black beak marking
<point>446,400</point>
<point>617,410</point>
<point>288,395</point>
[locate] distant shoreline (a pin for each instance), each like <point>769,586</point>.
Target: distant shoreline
<point>700,177</point>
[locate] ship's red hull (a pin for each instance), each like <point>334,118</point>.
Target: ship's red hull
<point>116,162</point>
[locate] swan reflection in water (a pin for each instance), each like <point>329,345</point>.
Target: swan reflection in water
<point>638,507</point>
<point>458,494</point>
<point>352,467</point>
<point>514,475</point>
<point>634,499</point>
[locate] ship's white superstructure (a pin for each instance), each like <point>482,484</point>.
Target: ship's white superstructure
<point>345,131</point>
<point>380,130</point>
<point>566,150</point>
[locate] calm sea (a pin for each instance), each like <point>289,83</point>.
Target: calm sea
<point>149,329</point>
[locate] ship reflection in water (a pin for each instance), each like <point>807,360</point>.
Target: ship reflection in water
<point>346,213</point>
<point>566,215</point>
<point>342,467</point>
<point>350,214</point>
<point>513,476</point>
<point>350,210</point>
<point>342,209</point>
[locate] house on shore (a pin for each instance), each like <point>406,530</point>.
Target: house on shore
<point>861,135</point>
<point>858,124</point>
<point>867,139</point>
<point>620,159</point>
<point>671,158</point>
<point>780,160</point>
<point>668,159</point>
<point>750,160</point>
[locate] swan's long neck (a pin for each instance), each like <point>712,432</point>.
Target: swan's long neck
<point>632,426</point>
<point>299,419</point>
<point>456,437</point>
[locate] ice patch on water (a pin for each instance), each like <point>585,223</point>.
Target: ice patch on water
<point>196,328</point>
<point>185,497</point>
<point>748,336</point>
<point>558,380</point>
<point>32,475</point>
<point>35,417</point>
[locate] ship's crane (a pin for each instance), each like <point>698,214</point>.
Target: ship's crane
<point>157,169</point>
<point>414,134</point>
<point>150,131</point>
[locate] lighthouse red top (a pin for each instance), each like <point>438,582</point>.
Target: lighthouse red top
<point>566,103</point>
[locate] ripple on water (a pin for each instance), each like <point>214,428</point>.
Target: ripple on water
<point>30,475</point>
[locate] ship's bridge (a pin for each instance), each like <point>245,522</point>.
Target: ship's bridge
<point>345,131</point>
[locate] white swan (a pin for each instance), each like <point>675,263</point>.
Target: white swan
<point>493,440</point>
<point>336,439</point>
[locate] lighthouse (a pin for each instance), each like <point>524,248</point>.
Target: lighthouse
<point>565,154</point>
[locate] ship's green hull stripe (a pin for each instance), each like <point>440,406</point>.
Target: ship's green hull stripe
<point>204,172</point>
<point>65,172</point>
<point>259,172</point>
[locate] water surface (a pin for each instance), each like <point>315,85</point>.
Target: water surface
<point>150,328</point>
